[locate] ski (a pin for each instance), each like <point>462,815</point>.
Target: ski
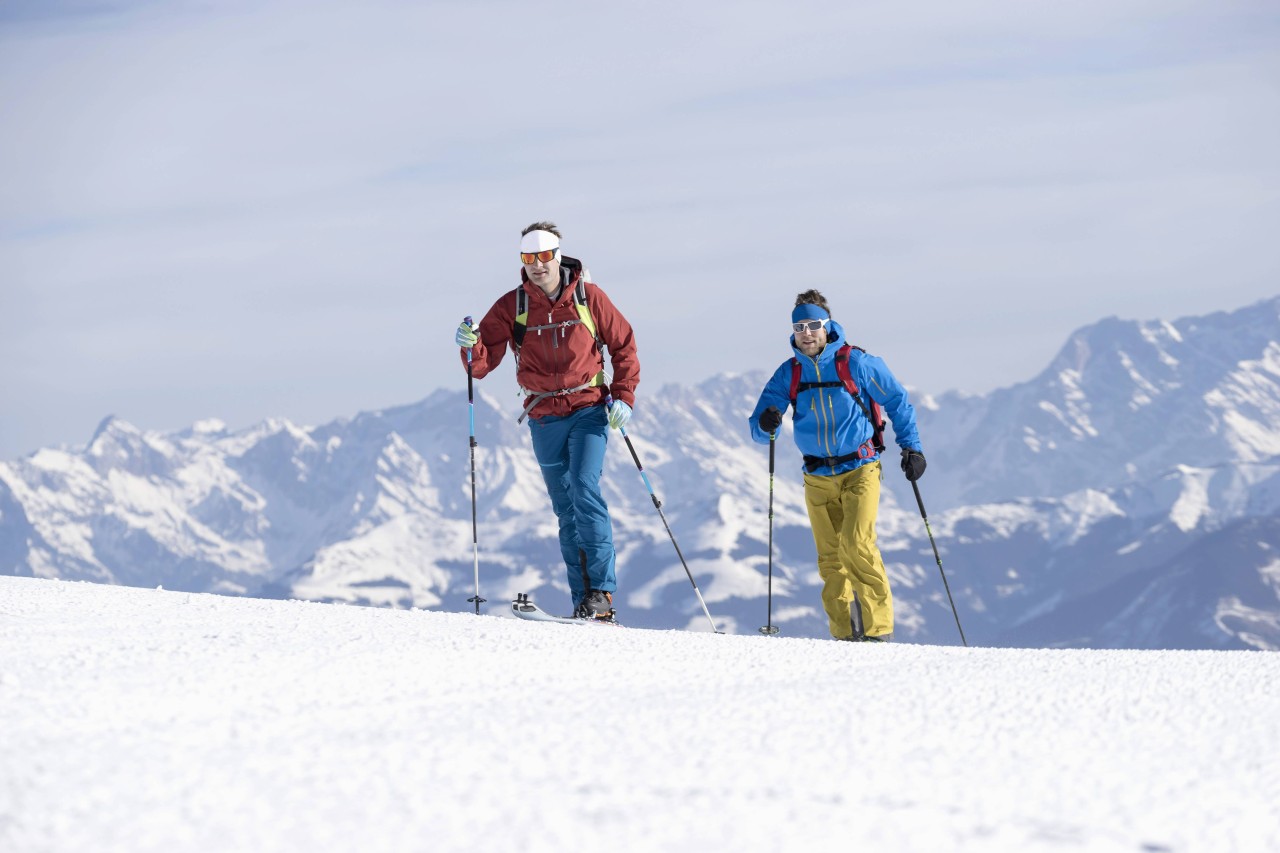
<point>523,608</point>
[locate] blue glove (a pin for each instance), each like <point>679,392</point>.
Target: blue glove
<point>466,336</point>
<point>619,414</point>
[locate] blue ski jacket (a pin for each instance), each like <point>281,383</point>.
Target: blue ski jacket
<point>827,421</point>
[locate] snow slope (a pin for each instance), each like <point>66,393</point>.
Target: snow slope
<point>140,719</point>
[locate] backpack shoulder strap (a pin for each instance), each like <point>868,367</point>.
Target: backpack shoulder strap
<point>584,313</point>
<point>795,382</point>
<point>843,371</point>
<point>584,310</point>
<point>521,321</point>
<point>873,412</point>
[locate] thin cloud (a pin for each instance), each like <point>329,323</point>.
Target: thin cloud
<point>283,195</point>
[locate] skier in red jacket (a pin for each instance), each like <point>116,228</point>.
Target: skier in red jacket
<point>558,325</point>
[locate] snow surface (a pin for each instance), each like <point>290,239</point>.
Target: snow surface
<point>138,719</point>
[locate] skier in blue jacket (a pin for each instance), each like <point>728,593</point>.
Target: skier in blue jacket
<point>842,465</point>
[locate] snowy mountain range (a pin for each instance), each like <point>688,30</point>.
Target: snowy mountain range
<point>1125,497</point>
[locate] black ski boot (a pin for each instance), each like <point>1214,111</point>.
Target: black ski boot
<point>597,605</point>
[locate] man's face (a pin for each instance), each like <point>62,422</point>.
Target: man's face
<point>544,273</point>
<point>810,340</point>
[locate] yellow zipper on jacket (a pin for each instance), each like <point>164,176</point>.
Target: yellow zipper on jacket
<point>825,431</point>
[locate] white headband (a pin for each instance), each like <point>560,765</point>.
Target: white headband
<point>539,241</point>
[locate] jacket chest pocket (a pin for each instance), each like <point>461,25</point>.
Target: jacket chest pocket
<point>552,331</point>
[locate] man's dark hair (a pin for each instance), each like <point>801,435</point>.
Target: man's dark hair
<point>809,297</point>
<point>544,226</point>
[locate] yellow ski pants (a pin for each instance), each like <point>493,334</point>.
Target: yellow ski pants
<point>842,513</point>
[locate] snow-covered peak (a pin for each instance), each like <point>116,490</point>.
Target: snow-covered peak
<point>1122,401</point>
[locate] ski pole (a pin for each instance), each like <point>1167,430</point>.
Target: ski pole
<point>658,505</point>
<point>920,503</point>
<point>475,538</point>
<point>768,629</point>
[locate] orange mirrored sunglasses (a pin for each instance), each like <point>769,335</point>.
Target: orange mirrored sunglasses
<point>545,256</point>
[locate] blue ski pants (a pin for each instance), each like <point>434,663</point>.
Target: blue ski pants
<point>570,450</point>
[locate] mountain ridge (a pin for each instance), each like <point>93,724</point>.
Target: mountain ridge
<point>1095,471</point>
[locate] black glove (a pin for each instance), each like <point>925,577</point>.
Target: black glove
<point>770,419</point>
<point>912,464</point>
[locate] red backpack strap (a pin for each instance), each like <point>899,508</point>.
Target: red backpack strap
<point>842,370</point>
<point>795,381</point>
<point>875,414</point>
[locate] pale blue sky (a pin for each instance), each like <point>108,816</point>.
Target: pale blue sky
<point>246,209</point>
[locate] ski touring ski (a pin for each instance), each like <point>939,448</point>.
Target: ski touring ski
<point>523,608</point>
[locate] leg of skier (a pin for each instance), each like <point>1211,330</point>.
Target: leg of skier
<point>826,518</point>
<point>551,448</point>
<point>588,440</point>
<point>860,555</point>
<point>570,451</point>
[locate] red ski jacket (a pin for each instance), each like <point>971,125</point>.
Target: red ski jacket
<point>566,357</point>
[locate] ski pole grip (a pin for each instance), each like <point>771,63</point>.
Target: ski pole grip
<point>467,320</point>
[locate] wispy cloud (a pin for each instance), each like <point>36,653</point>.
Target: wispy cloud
<point>238,199</point>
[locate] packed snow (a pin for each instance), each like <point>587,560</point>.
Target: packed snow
<point>143,719</point>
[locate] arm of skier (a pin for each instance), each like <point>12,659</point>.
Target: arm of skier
<point>776,393</point>
<point>620,339</point>
<point>886,390</point>
<point>494,335</point>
